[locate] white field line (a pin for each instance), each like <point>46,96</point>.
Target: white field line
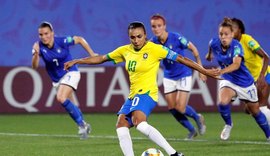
<point>133,138</point>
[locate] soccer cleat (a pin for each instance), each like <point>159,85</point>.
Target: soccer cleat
<point>225,134</point>
<point>84,131</point>
<point>191,135</point>
<point>201,125</point>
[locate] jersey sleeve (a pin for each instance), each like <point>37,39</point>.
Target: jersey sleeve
<point>168,53</point>
<point>238,51</point>
<point>68,41</point>
<point>183,41</point>
<point>116,56</point>
<point>251,43</point>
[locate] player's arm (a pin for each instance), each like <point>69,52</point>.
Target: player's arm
<point>80,40</point>
<point>87,60</point>
<point>35,56</point>
<point>196,54</point>
<point>209,55</point>
<point>232,67</point>
<point>196,66</point>
<point>264,55</point>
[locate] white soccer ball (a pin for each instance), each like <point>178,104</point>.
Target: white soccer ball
<point>152,152</point>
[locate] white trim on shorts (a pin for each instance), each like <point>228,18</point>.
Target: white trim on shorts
<point>249,93</point>
<point>182,84</point>
<point>71,79</point>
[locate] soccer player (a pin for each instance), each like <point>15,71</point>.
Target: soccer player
<point>256,60</point>
<point>142,59</point>
<point>237,79</point>
<point>177,80</point>
<point>55,52</point>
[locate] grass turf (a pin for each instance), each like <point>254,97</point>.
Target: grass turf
<point>55,135</point>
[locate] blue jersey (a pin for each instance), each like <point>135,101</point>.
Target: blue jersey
<point>241,76</point>
<point>56,56</point>
<point>177,43</point>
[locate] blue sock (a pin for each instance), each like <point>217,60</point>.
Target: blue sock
<point>262,122</point>
<point>182,119</point>
<point>190,112</point>
<point>74,112</point>
<point>225,112</point>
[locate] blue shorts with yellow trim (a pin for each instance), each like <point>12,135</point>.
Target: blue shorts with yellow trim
<point>142,102</point>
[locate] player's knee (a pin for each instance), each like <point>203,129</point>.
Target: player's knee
<point>122,122</point>
<point>224,101</point>
<point>60,98</point>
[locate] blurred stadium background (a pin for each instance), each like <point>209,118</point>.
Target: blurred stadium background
<point>103,23</point>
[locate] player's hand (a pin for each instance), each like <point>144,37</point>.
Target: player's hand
<point>69,64</point>
<point>214,73</point>
<point>202,77</point>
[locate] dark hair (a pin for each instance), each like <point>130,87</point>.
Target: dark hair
<point>227,22</point>
<point>135,25</point>
<point>158,16</point>
<point>240,24</point>
<point>46,24</point>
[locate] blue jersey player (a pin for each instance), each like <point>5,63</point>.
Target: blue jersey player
<point>177,80</point>
<point>55,52</point>
<point>237,80</point>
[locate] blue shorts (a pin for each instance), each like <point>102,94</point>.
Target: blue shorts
<point>267,78</point>
<point>142,102</point>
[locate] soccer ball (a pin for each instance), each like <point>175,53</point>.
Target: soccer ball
<point>152,152</point>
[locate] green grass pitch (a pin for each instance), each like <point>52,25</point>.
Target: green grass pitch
<point>56,135</point>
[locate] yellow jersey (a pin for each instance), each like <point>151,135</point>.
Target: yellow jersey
<point>142,67</point>
<point>253,61</point>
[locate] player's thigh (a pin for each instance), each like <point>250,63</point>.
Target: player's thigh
<point>226,92</point>
<point>64,92</point>
<point>182,98</point>
<point>138,117</point>
<point>171,99</point>
<point>122,121</point>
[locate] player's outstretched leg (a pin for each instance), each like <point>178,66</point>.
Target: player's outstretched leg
<point>76,114</point>
<point>262,122</point>
<point>157,138</point>
<point>125,141</point>
<point>225,112</point>
<point>198,118</point>
<point>183,120</point>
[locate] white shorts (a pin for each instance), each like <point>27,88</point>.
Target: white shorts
<point>183,84</point>
<point>71,79</point>
<point>249,93</point>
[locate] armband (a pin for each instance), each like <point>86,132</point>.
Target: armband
<point>172,55</point>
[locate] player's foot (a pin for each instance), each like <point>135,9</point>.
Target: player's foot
<point>84,131</point>
<point>177,154</point>
<point>191,135</point>
<point>201,125</point>
<point>225,134</point>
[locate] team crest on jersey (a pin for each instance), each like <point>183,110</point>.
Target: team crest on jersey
<point>145,55</point>
<point>58,50</point>
<point>251,43</point>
